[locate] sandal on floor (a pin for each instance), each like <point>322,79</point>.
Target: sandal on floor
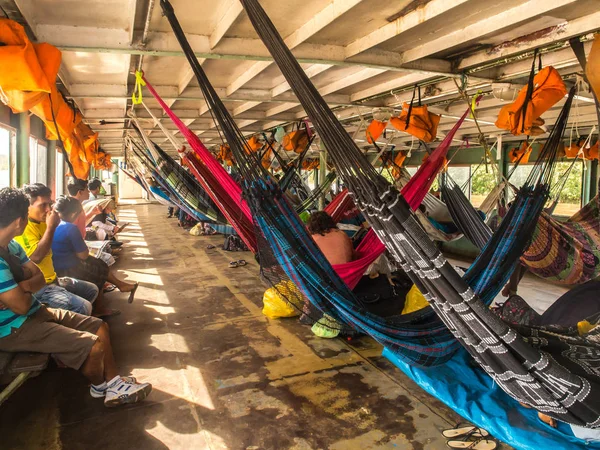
<point>210,247</point>
<point>462,429</point>
<point>233,264</point>
<point>132,293</point>
<point>241,262</point>
<point>474,444</point>
<point>109,288</point>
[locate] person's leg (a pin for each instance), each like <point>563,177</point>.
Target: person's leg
<point>122,285</point>
<point>83,289</point>
<point>57,297</point>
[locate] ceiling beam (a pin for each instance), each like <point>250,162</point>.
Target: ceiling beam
<point>319,21</point>
<point>577,27</point>
<point>233,9</point>
<point>401,25</point>
<point>507,18</point>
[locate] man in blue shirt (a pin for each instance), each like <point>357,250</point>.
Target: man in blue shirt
<point>79,342</point>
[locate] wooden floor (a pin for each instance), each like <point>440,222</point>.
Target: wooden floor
<point>224,376</point>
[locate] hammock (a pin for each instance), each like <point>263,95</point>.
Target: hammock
<point>288,253</point>
<point>223,190</point>
<point>181,182</point>
<point>556,385</point>
<point>317,193</point>
<point>567,252</point>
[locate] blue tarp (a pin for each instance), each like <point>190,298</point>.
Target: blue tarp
<point>473,394</point>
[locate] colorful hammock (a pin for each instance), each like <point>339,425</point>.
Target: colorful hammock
<point>551,382</point>
<point>224,191</point>
<point>567,252</point>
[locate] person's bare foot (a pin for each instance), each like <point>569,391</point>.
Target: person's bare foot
<point>547,419</point>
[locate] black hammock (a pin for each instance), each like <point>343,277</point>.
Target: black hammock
<point>534,369</point>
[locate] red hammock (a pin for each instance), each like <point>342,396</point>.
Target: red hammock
<point>219,185</point>
<point>418,186</point>
<point>368,250</point>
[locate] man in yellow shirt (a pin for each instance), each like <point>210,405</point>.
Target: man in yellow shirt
<point>64,293</point>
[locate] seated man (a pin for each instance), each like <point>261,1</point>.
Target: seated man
<point>95,187</point>
<point>79,190</point>
<point>36,240</point>
<point>333,242</point>
<point>79,342</point>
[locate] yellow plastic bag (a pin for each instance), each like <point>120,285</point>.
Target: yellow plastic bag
<point>275,307</point>
<point>414,301</point>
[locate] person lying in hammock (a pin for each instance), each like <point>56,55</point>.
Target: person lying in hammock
<point>102,223</point>
<point>333,242</point>
<point>71,255</point>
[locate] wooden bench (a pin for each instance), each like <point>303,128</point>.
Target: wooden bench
<point>15,368</point>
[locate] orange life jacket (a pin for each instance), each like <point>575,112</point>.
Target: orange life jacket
<point>422,124</point>
<point>254,144</point>
<point>296,141</point>
<point>374,130</point>
<point>592,69</point>
<point>520,154</point>
<point>548,89</point>
<point>571,151</point>
<point>225,155</point>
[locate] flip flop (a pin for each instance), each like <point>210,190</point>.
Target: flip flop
<point>464,429</point>
<point>210,247</point>
<point>110,288</point>
<point>241,262</point>
<point>107,314</point>
<point>132,293</point>
<point>233,264</point>
<point>476,444</point>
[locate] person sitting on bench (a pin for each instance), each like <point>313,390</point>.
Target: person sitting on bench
<point>71,256</point>
<point>333,242</point>
<point>65,293</point>
<point>79,342</point>
<point>79,190</point>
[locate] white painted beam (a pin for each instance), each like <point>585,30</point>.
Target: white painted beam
<point>573,28</point>
<point>401,25</point>
<point>310,72</point>
<point>319,21</point>
<point>233,9</point>
<point>508,18</point>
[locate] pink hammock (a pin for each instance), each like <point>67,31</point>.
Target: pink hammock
<point>219,185</point>
<point>367,252</point>
<point>419,184</point>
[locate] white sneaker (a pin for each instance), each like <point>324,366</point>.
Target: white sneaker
<point>99,391</point>
<point>121,392</point>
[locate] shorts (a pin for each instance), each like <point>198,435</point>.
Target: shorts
<point>66,335</point>
<point>73,295</point>
<point>90,269</point>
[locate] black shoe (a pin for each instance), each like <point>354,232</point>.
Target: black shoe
<point>115,244</point>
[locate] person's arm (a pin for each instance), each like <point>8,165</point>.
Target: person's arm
<point>35,280</point>
<point>17,300</point>
<point>79,246</point>
<point>45,243</point>
<point>94,212</point>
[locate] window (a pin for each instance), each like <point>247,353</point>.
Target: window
<point>6,146</point>
<point>461,175</point>
<point>60,174</point>
<point>567,184</point>
<point>38,161</point>
<point>482,183</point>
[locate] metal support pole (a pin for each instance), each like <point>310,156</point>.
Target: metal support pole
<point>23,134</point>
<point>51,167</point>
<point>322,173</point>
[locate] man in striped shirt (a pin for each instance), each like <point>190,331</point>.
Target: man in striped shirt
<point>78,341</point>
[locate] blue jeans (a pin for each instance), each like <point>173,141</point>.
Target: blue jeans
<point>76,296</point>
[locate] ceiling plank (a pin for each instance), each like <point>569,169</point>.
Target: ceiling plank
<point>234,9</point>
<point>319,21</point>
<point>563,32</point>
<point>401,25</point>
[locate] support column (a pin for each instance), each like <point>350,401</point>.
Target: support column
<point>23,134</point>
<point>322,173</point>
<point>51,167</point>
<point>594,177</point>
